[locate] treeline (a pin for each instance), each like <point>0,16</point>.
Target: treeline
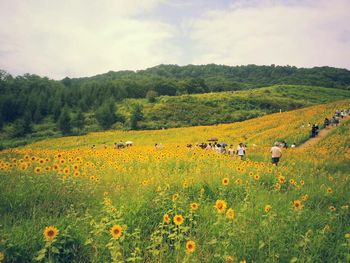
<point>29,99</point>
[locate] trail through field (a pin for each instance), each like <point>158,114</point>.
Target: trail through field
<point>323,133</point>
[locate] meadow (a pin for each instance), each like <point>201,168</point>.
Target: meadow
<point>63,200</point>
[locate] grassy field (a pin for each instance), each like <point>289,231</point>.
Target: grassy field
<point>62,201</point>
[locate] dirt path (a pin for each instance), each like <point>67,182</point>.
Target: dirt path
<point>312,141</point>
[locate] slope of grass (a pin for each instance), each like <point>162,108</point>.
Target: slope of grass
<point>85,192</point>
<point>225,107</point>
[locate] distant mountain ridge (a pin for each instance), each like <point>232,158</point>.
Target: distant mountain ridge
<point>219,77</point>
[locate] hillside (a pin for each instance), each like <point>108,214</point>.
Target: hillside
<point>225,107</point>
<point>31,99</point>
<point>261,131</point>
<point>181,111</point>
<point>151,204</point>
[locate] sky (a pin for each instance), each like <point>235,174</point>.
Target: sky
<point>79,38</point>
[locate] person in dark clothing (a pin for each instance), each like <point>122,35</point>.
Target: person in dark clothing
<point>313,131</point>
<point>326,122</point>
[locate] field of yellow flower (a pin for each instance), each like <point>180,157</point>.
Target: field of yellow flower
<point>78,199</point>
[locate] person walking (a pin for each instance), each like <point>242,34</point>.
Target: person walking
<point>276,153</point>
<point>241,150</point>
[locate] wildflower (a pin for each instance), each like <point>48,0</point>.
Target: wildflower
<point>220,206</point>
<point>50,233</point>
<point>225,181</point>
<point>329,190</point>
<point>229,259</point>
<point>347,235</point>
<point>175,197</point>
<point>305,197</point>
<point>238,181</point>
<point>23,166</point>
<point>277,186</point>
<point>178,220</point>
<point>332,208</point>
<point>166,218</point>
<point>267,208</point>
<point>256,177</point>
<point>194,206</point>
<point>116,231</point>
<point>302,182</point>
<point>230,214</point>
<point>297,204</point>
<point>190,246</point>
<point>327,228</point>
<point>107,201</point>
<point>281,179</point>
<point>66,170</point>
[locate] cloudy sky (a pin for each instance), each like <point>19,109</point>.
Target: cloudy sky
<point>77,38</point>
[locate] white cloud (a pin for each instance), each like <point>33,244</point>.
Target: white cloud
<point>275,32</point>
<point>80,38</point>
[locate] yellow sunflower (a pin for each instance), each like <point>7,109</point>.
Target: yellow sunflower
<point>230,214</point>
<point>267,208</point>
<point>305,197</point>
<point>116,231</point>
<point>175,197</point>
<point>178,220</point>
<point>50,233</point>
<point>225,181</point>
<point>194,206</point>
<point>332,208</point>
<point>166,218</point>
<point>190,246</point>
<point>220,206</point>
<point>297,204</point>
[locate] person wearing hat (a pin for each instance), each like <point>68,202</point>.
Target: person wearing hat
<point>276,153</point>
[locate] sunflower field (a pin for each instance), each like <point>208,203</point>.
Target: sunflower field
<point>79,199</point>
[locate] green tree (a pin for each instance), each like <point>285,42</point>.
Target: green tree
<point>105,114</point>
<point>79,121</point>
<point>151,96</point>
<point>64,122</point>
<point>21,127</point>
<point>136,116</point>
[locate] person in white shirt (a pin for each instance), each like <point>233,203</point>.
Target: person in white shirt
<point>276,153</point>
<point>241,150</point>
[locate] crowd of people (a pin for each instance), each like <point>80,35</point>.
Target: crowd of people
<point>240,150</point>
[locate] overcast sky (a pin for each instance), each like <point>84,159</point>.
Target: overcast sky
<point>78,38</point>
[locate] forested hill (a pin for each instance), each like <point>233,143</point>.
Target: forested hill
<point>28,102</point>
<point>224,78</point>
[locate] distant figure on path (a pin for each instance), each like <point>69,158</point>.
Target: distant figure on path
<point>276,154</point>
<point>231,151</point>
<point>241,150</point>
<point>313,131</point>
<point>293,145</point>
<point>326,122</point>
